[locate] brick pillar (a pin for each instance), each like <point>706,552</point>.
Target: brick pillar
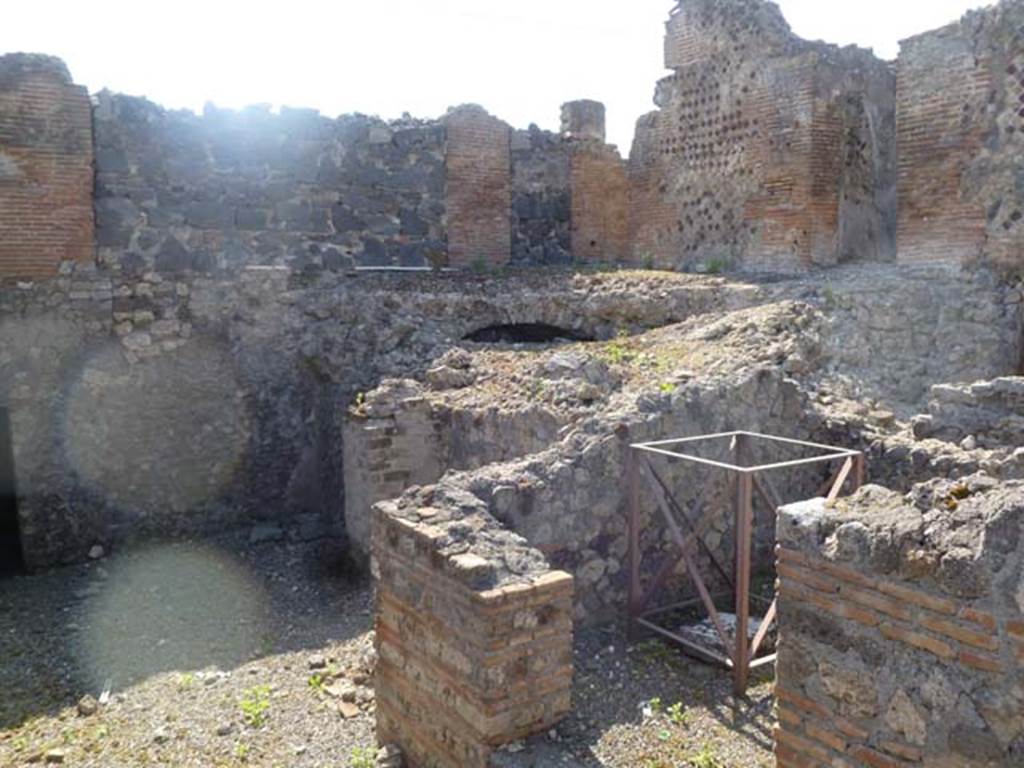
<point>46,176</point>
<point>583,119</point>
<point>941,101</point>
<point>600,203</point>
<point>465,664</point>
<point>479,179</point>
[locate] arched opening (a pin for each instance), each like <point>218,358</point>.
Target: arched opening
<point>525,333</point>
<point>11,560</point>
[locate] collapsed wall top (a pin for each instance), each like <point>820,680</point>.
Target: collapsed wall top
<point>767,151</point>
<point>698,30</point>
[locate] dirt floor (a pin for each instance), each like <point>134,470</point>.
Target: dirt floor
<point>260,655</point>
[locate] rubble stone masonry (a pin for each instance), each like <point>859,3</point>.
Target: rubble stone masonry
<point>46,155</point>
<point>902,628</point>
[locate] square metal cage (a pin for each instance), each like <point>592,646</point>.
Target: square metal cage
<point>738,653</point>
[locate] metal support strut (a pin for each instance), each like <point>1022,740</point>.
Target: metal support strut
<point>740,650</point>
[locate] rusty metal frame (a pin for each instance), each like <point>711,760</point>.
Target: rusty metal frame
<point>749,477</point>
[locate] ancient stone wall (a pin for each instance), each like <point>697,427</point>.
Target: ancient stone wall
<point>766,151</point>
<point>46,156</point>
<point>541,194</point>
<point>600,203</point>
<point>391,442</point>
<point>960,137</point>
<point>480,188</point>
<point>473,633</point>
<point>568,499</point>
<point>896,330</point>
<point>986,413</point>
<point>276,354</point>
<point>901,632</point>
<point>177,192</point>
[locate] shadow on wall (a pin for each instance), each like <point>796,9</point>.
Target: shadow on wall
<point>525,333</point>
<point>11,560</point>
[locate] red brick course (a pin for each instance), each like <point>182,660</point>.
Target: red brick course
<point>599,203</point>
<point>941,96</point>
<point>46,175</point>
<point>811,731</point>
<point>479,180</point>
<point>460,670</point>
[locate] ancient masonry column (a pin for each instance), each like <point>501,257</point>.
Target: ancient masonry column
<point>599,209</point>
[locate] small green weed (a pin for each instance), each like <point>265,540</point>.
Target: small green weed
<point>363,757</point>
<point>317,682</point>
<point>715,265</point>
<point>706,758</point>
<point>186,681</point>
<point>255,704</point>
<point>676,713</point>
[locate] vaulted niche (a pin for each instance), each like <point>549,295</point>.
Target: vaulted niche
<point>525,333</point>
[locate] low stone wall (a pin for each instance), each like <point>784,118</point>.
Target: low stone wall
<point>391,443</point>
<point>902,628</point>
<point>985,413</point>
<point>896,330</point>
<point>474,632</point>
<point>569,499</point>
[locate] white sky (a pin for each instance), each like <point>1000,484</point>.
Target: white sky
<point>519,58</point>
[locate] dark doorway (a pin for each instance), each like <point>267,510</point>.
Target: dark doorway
<point>524,333</point>
<point>11,560</point>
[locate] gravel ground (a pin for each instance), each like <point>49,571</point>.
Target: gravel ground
<point>650,706</point>
<point>239,655</point>
<point>213,656</point>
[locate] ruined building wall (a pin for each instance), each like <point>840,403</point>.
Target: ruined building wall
<point>570,192</point>
<point>45,167</point>
<point>600,203</point>
<point>480,189</point>
<point>961,141</point>
<point>766,151</point>
<point>541,195</point>
<point>567,498</point>
<point>178,192</point>
<point>901,636</point>
<point>473,632</point>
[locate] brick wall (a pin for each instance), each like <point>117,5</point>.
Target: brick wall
<point>901,639</point>
<point>600,203</point>
<point>767,151</point>
<point>479,177</point>
<point>470,655</point>
<point>46,212</point>
<point>941,97</point>
<point>699,30</point>
<point>391,442</point>
<point>961,141</point>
